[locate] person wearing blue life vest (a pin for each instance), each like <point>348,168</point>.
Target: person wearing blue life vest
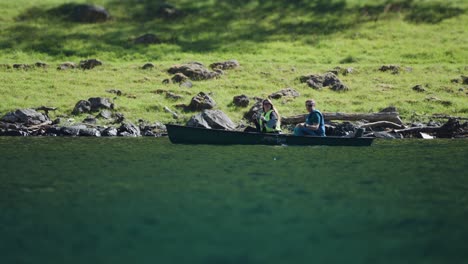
<point>268,121</point>
<point>314,124</point>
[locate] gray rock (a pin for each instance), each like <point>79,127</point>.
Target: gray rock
<point>225,65</point>
<point>148,66</point>
<point>198,121</point>
<point>110,132</point>
<point>90,64</point>
<point>284,92</point>
<point>128,129</point>
<point>186,84</point>
<point>100,103</point>
<point>218,119</point>
<point>201,101</point>
<point>72,130</point>
<point>194,70</point>
<point>89,132</point>
<point>106,114</point>
<point>241,100</point>
<point>90,120</point>
<point>66,65</point>
<point>419,88</point>
<point>82,106</point>
<point>179,78</point>
<point>26,117</point>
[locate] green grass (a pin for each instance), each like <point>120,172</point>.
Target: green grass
<point>275,42</point>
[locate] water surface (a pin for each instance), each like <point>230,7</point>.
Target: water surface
<point>116,200</point>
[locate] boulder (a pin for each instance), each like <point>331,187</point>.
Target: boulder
<point>225,65</point>
<point>147,66</point>
<point>128,129</point>
<point>198,121</point>
<point>27,117</point>
<point>89,64</point>
<point>66,65</point>
<point>194,70</point>
<point>317,81</point>
<point>218,119</point>
<point>241,100</point>
<point>395,69</point>
<point>110,132</point>
<point>179,78</point>
<point>147,39</point>
<point>100,103</point>
<point>82,106</point>
<point>256,108</point>
<point>200,102</point>
<point>89,132</point>
<point>284,92</point>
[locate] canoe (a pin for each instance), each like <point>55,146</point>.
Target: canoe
<point>194,135</point>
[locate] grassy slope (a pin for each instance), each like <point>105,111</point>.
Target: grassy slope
<point>274,42</point>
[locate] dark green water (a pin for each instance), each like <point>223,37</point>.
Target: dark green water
<point>82,200</point>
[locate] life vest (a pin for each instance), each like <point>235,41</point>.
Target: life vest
<point>267,115</point>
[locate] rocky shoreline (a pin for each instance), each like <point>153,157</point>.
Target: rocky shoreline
<point>36,122</point>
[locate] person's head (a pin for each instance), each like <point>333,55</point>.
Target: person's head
<point>310,105</point>
<point>267,105</point>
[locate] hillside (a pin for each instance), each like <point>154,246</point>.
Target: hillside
<point>275,42</point>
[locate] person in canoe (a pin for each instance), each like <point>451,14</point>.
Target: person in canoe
<point>269,121</point>
<point>314,124</point>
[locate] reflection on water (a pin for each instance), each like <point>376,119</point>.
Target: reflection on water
<point>77,200</point>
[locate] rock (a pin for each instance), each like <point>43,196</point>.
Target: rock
<point>66,65</point>
<point>186,84</point>
<point>464,79</point>
<point>218,119</point>
<point>147,39</point>
<point>90,64</point>
<point>110,132</point>
<point>284,92</point>
<point>83,13</point>
<point>106,114</point>
<point>317,81</point>
<point>90,120</point>
<point>201,101</point>
<point>225,65</point>
<point>21,66</point>
<point>40,64</point>
<point>82,106</point>
<point>173,96</point>
<point>257,107</point>
<point>395,69</point>
<point>194,70</point>
<point>450,129</point>
<point>419,88</point>
<point>89,132</point>
<point>26,117</point>
<point>114,91</point>
<point>241,100</point>
<point>72,130</point>
<point>148,66</point>
<point>198,121</point>
<point>100,103</point>
<point>179,78</point>
<point>128,129</point>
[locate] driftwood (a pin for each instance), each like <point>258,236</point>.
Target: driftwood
<point>372,117</point>
<point>383,124</point>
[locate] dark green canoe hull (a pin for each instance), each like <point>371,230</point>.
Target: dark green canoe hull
<point>193,135</point>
